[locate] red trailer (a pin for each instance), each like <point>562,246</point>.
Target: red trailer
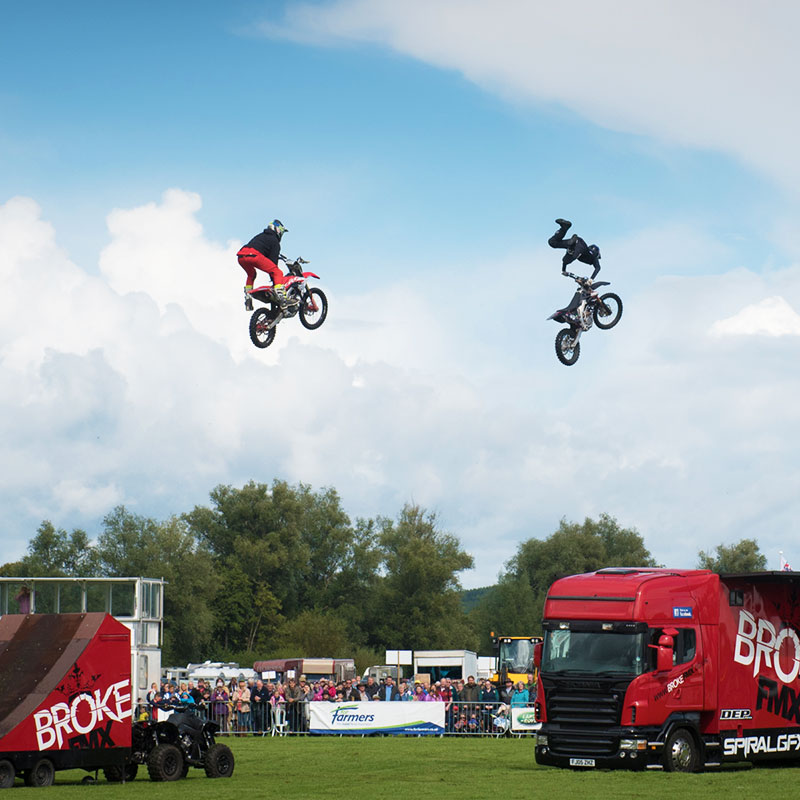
<point>674,669</point>
<point>65,695</point>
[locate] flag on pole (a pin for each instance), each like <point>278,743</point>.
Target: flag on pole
<point>785,566</point>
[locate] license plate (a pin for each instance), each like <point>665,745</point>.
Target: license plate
<point>581,762</point>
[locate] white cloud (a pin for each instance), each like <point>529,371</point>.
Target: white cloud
<point>718,74</point>
<point>89,500</point>
<point>140,386</point>
<point>160,249</point>
<point>773,316</point>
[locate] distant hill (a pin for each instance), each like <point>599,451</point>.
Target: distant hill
<point>471,597</point>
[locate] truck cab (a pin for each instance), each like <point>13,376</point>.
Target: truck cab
<point>628,669</point>
<point>672,669</point>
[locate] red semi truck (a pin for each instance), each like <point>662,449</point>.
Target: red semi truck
<point>673,669</point>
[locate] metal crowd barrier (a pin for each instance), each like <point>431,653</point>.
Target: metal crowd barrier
<point>292,719</point>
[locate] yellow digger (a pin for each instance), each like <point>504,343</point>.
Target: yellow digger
<point>514,659</point>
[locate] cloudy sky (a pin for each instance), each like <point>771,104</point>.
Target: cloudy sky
<point>418,153</point>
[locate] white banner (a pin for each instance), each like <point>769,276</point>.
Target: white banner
<point>524,719</point>
<point>401,657</point>
<point>377,717</point>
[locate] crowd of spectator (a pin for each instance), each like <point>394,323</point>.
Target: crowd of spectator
<point>254,706</point>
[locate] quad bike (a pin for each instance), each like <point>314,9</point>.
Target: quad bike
<point>585,308</point>
<point>310,305</point>
<point>170,747</point>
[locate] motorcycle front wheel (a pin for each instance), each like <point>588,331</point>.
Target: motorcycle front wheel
<point>608,311</point>
<point>567,350</point>
<point>260,334</point>
<point>313,309</point>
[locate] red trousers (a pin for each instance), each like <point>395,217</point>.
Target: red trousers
<point>250,260</point>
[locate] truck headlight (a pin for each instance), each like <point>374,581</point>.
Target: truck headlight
<point>541,739</point>
<point>633,744</point>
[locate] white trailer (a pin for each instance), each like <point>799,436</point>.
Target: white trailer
<point>486,666</point>
<point>453,664</point>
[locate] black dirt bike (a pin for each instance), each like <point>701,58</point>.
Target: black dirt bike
<point>310,304</point>
<point>585,308</point>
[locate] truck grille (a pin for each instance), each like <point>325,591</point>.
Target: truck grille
<point>574,744</point>
<point>583,708</point>
<point>582,717</point>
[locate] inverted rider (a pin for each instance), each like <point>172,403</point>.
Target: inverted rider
<point>576,248</point>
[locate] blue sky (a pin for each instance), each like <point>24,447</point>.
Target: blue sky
<point>418,155</point>
<point>120,103</point>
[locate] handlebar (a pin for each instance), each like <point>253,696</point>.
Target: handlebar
<point>578,278</point>
<point>298,260</point>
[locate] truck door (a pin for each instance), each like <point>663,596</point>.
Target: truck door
<point>682,685</point>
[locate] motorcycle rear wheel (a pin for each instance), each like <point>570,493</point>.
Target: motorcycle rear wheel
<point>313,309</point>
<point>259,335</point>
<point>567,352</point>
<point>608,311</point>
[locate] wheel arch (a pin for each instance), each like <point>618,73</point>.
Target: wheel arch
<point>167,733</point>
<point>681,719</point>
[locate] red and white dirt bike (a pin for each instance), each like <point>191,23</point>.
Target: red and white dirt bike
<point>310,304</point>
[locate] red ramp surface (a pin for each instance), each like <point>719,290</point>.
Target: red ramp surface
<point>64,683</point>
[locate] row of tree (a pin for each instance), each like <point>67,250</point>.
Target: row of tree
<point>279,570</point>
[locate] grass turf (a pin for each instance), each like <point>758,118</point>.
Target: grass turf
<point>354,768</point>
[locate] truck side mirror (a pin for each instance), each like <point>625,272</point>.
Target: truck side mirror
<point>664,654</point>
<point>537,655</point>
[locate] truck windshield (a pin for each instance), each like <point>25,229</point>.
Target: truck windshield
<point>516,655</point>
<point>593,652</point>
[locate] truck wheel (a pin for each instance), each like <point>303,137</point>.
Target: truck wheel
<point>116,774</point>
<point>681,753</point>
<point>165,763</point>
<point>7,774</point>
<point>218,762</point>
<point>41,774</point>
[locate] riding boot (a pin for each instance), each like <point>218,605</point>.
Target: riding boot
<point>248,301</point>
<point>280,295</point>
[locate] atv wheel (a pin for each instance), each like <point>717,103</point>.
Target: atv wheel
<point>42,773</point>
<point>7,774</point>
<point>165,763</point>
<point>218,761</point>
<point>260,334</point>
<point>115,774</point>
<point>608,311</point>
<point>567,350</point>
<point>313,309</point>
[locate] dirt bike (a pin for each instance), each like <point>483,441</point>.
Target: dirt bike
<point>310,304</point>
<point>585,307</point>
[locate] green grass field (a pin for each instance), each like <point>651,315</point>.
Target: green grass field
<point>419,768</point>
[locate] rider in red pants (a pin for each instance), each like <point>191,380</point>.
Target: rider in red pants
<point>262,252</point>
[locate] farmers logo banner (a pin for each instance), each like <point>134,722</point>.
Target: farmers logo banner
<point>377,717</point>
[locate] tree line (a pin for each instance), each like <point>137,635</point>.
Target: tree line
<point>278,570</point>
